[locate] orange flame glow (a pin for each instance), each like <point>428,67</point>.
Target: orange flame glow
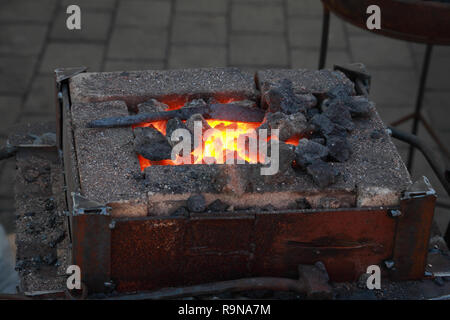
<point>218,145</point>
<point>223,141</point>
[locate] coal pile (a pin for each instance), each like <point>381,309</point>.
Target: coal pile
<point>322,124</point>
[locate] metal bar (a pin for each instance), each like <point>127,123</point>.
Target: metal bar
<point>220,111</point>
<point>275,284</point>
<point>427,127</point>
<point>324,42</point>
<point>413,232</point>
<point>427,153</point>
<point>91,249</point>
<point>419,101</point>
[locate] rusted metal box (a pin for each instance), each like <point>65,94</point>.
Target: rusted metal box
<point>151,252</point>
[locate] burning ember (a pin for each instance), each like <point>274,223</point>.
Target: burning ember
<point>221,143</point>
<point>217,146</point>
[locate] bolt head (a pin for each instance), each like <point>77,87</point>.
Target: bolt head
<point>389,264</point>
<point>394,213</point>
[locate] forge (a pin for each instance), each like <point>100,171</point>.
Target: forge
<point>141,219</point>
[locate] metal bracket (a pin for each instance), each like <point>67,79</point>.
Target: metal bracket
<point>413,230</point>
<point>81,205</point>
<point>419,189</point>
<point>358,73</point>
<point>63,74</point>
<point>393,213</point>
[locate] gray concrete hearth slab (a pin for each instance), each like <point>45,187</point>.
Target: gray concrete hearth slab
<point>137,86</point>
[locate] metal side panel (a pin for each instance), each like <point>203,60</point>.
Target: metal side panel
<point>346,241</point>
<point>413,231</point>
<point>151,253</point>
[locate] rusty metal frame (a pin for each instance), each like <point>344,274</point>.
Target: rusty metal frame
<point>154,252</point>
<point>146,253</point>
<point>433,29</point>
<point>413,231</point>
<point>91,242</point>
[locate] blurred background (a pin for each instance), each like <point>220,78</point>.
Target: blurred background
<point>121,35</point>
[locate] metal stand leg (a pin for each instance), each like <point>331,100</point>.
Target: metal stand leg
<point>420,94</point>
<point>324,42</point>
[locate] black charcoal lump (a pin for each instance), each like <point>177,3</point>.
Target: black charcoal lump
<point>195,103</point>
<point>280,97</point>
<point>308,152</point>
<point>190,123</point>
<point>289,125</point>
<point>323,127</point>
<point>218,206</point>
<point>322,173</point>
<point>359,106</point>
<point>340,92</point>
<point>152,105</point>
<point>339,148</point>
<point>322,124</point>
<point>339,114</point>
<point>151,144</point>
<point>196,203</point>
<point>287,157</point>
<point>172,125</point>
<point>245,103</point>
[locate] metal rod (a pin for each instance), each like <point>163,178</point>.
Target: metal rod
<point>324,42</point>
<point>275,284</point>
<point>442,204</point>
<point>427,127</point>
<point>414,141</point>
<point>419,101</point>
<point>219,111</point>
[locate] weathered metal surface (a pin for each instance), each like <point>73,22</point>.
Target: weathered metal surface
<point>63,74</point>
<point>219,111</point>
<point>419,21</point>
<point>147,253</point>
<point>357,72</point>
<point>413,232</point>
<point>218,248</point>
<point>346,241</point>
<point>91,249</point>
<point>151,253</point>
<point>70,163</point>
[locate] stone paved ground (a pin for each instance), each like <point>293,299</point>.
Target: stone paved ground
<point>252,34</point>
